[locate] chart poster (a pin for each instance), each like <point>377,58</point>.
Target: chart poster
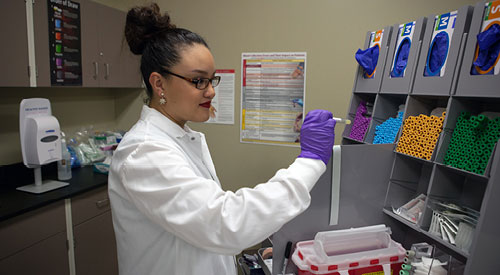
<point>222,106</point>
<point>65,43</point>
<point>272,97</point>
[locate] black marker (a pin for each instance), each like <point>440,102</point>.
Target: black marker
<point>287,256</point>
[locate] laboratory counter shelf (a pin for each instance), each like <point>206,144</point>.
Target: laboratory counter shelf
<point>14,203</point>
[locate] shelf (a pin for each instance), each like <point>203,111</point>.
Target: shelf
<point>474,176</point>
<point>402,220</point>
<point>459,252</point>
<point>413,157</point>
<point>352,141</point>
<point>448,245</point>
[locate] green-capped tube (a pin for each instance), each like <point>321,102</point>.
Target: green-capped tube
<point>404,272</point>
<point>406,266</point>
<point>485,157</point>
<point>464,114</point>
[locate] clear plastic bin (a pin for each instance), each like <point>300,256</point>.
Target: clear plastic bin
<point>350,252</point>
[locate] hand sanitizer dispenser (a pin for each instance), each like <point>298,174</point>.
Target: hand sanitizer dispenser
<point>40,141</point>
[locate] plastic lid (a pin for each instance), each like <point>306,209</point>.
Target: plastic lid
<point>331,244</point>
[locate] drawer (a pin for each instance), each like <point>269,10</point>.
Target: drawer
<point>25,230</point>
<point>89,204</point>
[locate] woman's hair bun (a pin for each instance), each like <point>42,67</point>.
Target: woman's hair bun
<point>142,24</point>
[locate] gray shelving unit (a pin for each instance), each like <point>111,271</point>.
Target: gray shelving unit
<point>375,178</point>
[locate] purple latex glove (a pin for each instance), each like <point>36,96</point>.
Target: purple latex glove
<point>317,135</point>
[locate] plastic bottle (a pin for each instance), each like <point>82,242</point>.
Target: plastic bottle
<point>64,165</point>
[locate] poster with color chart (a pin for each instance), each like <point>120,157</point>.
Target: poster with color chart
<point>491,18</point>
<point>403,46</point>
<point>444,25</point>
<point>376,39</point>
<point>65,43</point>
<point>272,97</point>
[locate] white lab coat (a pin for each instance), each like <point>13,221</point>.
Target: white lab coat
<point>170,213</point>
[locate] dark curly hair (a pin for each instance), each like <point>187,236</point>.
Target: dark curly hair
<point>152,35</point>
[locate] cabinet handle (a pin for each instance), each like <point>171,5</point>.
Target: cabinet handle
<point>102,203</point>
<point>106,76</point>
<point>96,69</point>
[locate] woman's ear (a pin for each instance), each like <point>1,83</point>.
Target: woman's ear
<point>156,81</point>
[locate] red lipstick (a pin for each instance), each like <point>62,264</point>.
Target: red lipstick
<point>206,104</point>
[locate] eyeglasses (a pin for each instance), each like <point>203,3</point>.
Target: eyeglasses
<point>200,83</point>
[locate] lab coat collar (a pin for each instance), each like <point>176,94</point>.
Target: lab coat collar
<point>163,122</point>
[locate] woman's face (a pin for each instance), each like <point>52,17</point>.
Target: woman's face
<point>184,102</point>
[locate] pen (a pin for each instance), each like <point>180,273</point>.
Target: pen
<point>287,255</point>
<point>342,120</point>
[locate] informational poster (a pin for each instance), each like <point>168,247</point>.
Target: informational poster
<point>272,97</point>
<point>222,109</point>
<point>65,43</point>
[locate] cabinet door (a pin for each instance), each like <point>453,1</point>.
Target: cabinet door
<point>95,246</point>
<point>49,256</point>
<point>14,47</point>
<point>120,67</point>
<point>90,44</point>
<point>21,232</point>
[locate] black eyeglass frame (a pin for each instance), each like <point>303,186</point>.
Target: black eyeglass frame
<point>198,82</point>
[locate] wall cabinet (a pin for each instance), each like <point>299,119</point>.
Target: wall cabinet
<point>14,48</point>
<point>106,59</point>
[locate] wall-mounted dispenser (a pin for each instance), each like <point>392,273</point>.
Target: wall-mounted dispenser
<point>40,141</point>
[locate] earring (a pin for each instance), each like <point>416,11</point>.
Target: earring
<point>162,99</point>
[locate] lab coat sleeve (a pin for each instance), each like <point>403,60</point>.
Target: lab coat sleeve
<point>162,184</point>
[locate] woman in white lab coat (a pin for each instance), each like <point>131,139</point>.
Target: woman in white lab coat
<point>170,214</point>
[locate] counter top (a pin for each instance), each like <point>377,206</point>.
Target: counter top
<point>14,202</point>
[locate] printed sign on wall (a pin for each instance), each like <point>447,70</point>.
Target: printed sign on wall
<point>65,43</point>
